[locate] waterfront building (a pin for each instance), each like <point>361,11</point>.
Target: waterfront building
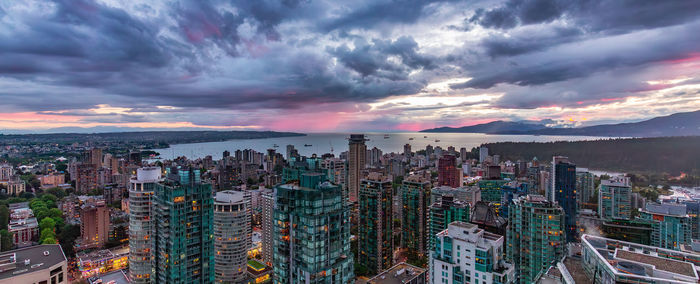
<point>375,229</point>
<point>464,253</point>
<point>232,235</point>
<point>312,233</point>
<point>141,224</point>
<point>535,236</point>
<point>183,236</point>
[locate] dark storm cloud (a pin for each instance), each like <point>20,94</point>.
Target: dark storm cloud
<point>373,58</point>
<point>374,13</point>
<point>586,58</point>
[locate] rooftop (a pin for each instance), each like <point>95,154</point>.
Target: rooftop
<point>114,277</point>
<point>665,264</point>
<point>14,263</point>
<point>398,274</point>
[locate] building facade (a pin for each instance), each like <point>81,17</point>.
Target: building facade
<point>141,189</point>
<point>444,212</point>
<point>464,253</point>
<point>614,199</point>
<point>670,224</point>
<point>312,233</point>
<point>183,241</point>
<point>563,191</point>
<point>535,236</point>
<point>448,173</point>
<point>415,198</point>
<point>267,219</point>
<point>356,163</point>
<point>232,235</point>
<point>375,228</point>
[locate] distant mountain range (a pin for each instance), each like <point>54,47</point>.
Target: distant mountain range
<point>679,124</point>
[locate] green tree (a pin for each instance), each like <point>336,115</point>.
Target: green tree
<point>47,223</point>
<point>69,233</point>
<point>5,240</point>
<point>4,217</point>
<point>55,213</point>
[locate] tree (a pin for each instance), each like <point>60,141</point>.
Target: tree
<point>69,233</point>
<point>47,223</point>
<point>56,191</point>
<point>4,217</point>
<point>5,240</point>
<point>55,213</point>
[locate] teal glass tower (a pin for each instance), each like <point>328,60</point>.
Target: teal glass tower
<point>312,233</point>
<point>375,231</point>
<point>183,240</point>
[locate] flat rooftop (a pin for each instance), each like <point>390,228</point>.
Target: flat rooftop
<point>12,263</point>
<point>114,277</point>
<point>665,264</point>
<point>575,268</point>
<point>398,274</point>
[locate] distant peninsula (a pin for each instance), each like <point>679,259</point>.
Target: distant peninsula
<point>678,124</point>
<point>156,139</point>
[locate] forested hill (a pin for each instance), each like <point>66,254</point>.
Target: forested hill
<point>659,155</point>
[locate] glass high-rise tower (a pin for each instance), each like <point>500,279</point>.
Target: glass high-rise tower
<point>183,237</point>
<point>375,242</point>
<point>141,223</point>
<point>312,233</point>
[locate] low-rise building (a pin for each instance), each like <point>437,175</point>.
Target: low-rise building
<point>613,261</point>
<point>37,264</point>
<point>401,273</point>
<point>102,261</point>
<point>23,225</point>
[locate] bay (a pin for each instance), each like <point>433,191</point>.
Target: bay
<point>320,143</point>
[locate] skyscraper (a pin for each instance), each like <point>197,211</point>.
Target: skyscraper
<point>141,189</point>
<point>614,199</point>
<point>466,254</point>
<point>356,163</point>
<point>585,186</point>
<point>375,229</point>
<point>563,191</point>
<point>443,212</point>
<point>183,236</point>
<point>312,233</point>
<point>232,235</point>
<point>448,174</point>
<point>407,150</point>
<point>415,197</point>
<point>535,236</point>
<point>483,154</point>
<point>268,210</point>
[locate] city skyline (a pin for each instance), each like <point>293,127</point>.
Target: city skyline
<point>320,66</point>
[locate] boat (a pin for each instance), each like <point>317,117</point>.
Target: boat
<point>410,138</point>
<point>386,136</point>
<point>425,136</point>
<point>276,146</point>
<point>307,145</point>
<point>437,140</point>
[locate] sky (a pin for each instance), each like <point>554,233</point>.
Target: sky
<point>332,66</point>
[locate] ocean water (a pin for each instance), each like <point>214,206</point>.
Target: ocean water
<point>321,143</point>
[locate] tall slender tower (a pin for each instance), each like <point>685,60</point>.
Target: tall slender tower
<point>183,237</point>
<point>312,233</point>
<point>415,198</point>
<point>268,209</point>
<point>563,191</point>
<point>375,242</point>
<point>356,163</point>
<point>232,235</point>
<point>141,224</point>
